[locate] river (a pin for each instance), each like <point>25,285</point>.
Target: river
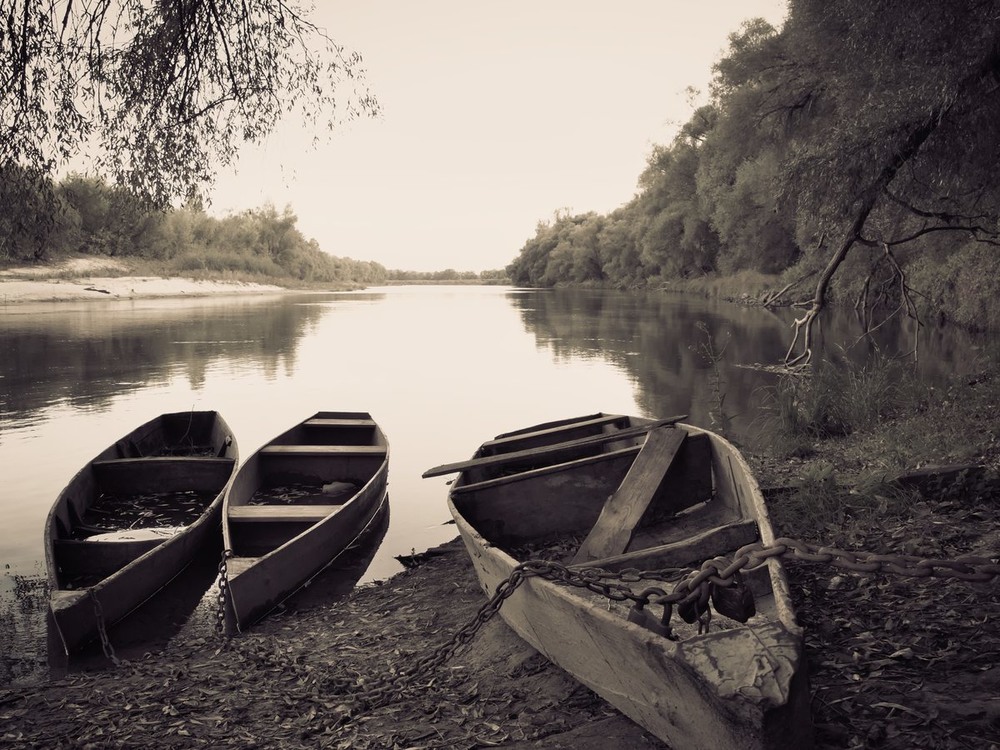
<point>441,368</point>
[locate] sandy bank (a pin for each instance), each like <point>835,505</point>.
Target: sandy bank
<point>88,279</point>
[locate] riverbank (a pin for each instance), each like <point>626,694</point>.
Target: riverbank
<point>108,278</point>
<point>895,662</point>
<point>887,654</point>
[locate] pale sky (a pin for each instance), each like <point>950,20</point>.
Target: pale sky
<point>495,116</point>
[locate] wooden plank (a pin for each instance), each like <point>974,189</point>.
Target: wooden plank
<point>323,450</point>
<point>272,513</point>
<point>548,450</point>
<point>549,434</point>
<point>163,474</point>
<point>328,422</point>
<point>568,466</point>
<point>625,508</point>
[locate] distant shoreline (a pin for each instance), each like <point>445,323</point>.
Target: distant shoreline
<point>99,278</point>
<point>15,290</point>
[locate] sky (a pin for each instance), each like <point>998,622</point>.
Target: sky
<point>494,117</point>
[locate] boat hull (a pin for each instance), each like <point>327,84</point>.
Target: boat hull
<point>275,549</point>
<point>97,580</point>
<point>742,687</point>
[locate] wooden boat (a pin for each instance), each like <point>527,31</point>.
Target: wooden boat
<point>617,492</point>
<point>133,518</point>
<point>296,504</point>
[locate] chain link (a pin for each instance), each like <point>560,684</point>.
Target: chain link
<point>223,596</point>
<point>109,650</point>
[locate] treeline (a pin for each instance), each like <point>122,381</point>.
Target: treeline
<point>861,139</point>
<point>497,276</point>
<point>92,218</point>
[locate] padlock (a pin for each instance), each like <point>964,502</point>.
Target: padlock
<point>734,601</point>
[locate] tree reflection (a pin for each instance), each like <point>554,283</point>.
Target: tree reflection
<point>87,356</point>
<point>657,339</point>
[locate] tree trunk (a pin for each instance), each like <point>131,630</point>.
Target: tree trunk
<point>906,151</point>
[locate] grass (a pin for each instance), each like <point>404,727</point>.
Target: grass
<point>838,437</point>
<point>836,399</point>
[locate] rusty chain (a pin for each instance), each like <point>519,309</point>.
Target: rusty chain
<point>691,593</point>
<point>223,596</point>
<point>102,632</point>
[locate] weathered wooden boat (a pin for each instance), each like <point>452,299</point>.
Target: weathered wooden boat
<point>295,505</point>
<point>133,518</point>
<point>616,492</point>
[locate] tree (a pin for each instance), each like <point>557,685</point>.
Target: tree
<point>159,94</point>
<point>673,233</point>
<point>891,110</point>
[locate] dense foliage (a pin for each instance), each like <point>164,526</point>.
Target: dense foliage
<point>449,275</point>
<point>97,219</point>
<point>154,98</point>
<point>156,95</point>
<point>857,141</point>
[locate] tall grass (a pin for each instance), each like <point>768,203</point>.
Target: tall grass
<point>836,399</point>
<point>840,398</point>
<point>743,285</point>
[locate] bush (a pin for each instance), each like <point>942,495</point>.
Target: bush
<point>835,399</point>
<point>221,262</point>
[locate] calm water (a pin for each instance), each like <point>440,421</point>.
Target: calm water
<point>440,368</point>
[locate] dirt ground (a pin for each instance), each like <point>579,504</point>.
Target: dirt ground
<point>894,662</point>
<point>294,682</point>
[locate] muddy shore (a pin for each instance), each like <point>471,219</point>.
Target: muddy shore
<point>293,682</point>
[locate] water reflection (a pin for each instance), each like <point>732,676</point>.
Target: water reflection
<point>89,355</point>
<point>660,340</point>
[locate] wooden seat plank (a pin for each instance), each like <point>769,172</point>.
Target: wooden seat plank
<point>280,513</point>
<point>162,473</point>
<point>323,450</point>
<point>624,509</point>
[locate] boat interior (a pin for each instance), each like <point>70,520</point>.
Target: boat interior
<point>115,495</point>
<point>610,492</point>
<point>302,477</point>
